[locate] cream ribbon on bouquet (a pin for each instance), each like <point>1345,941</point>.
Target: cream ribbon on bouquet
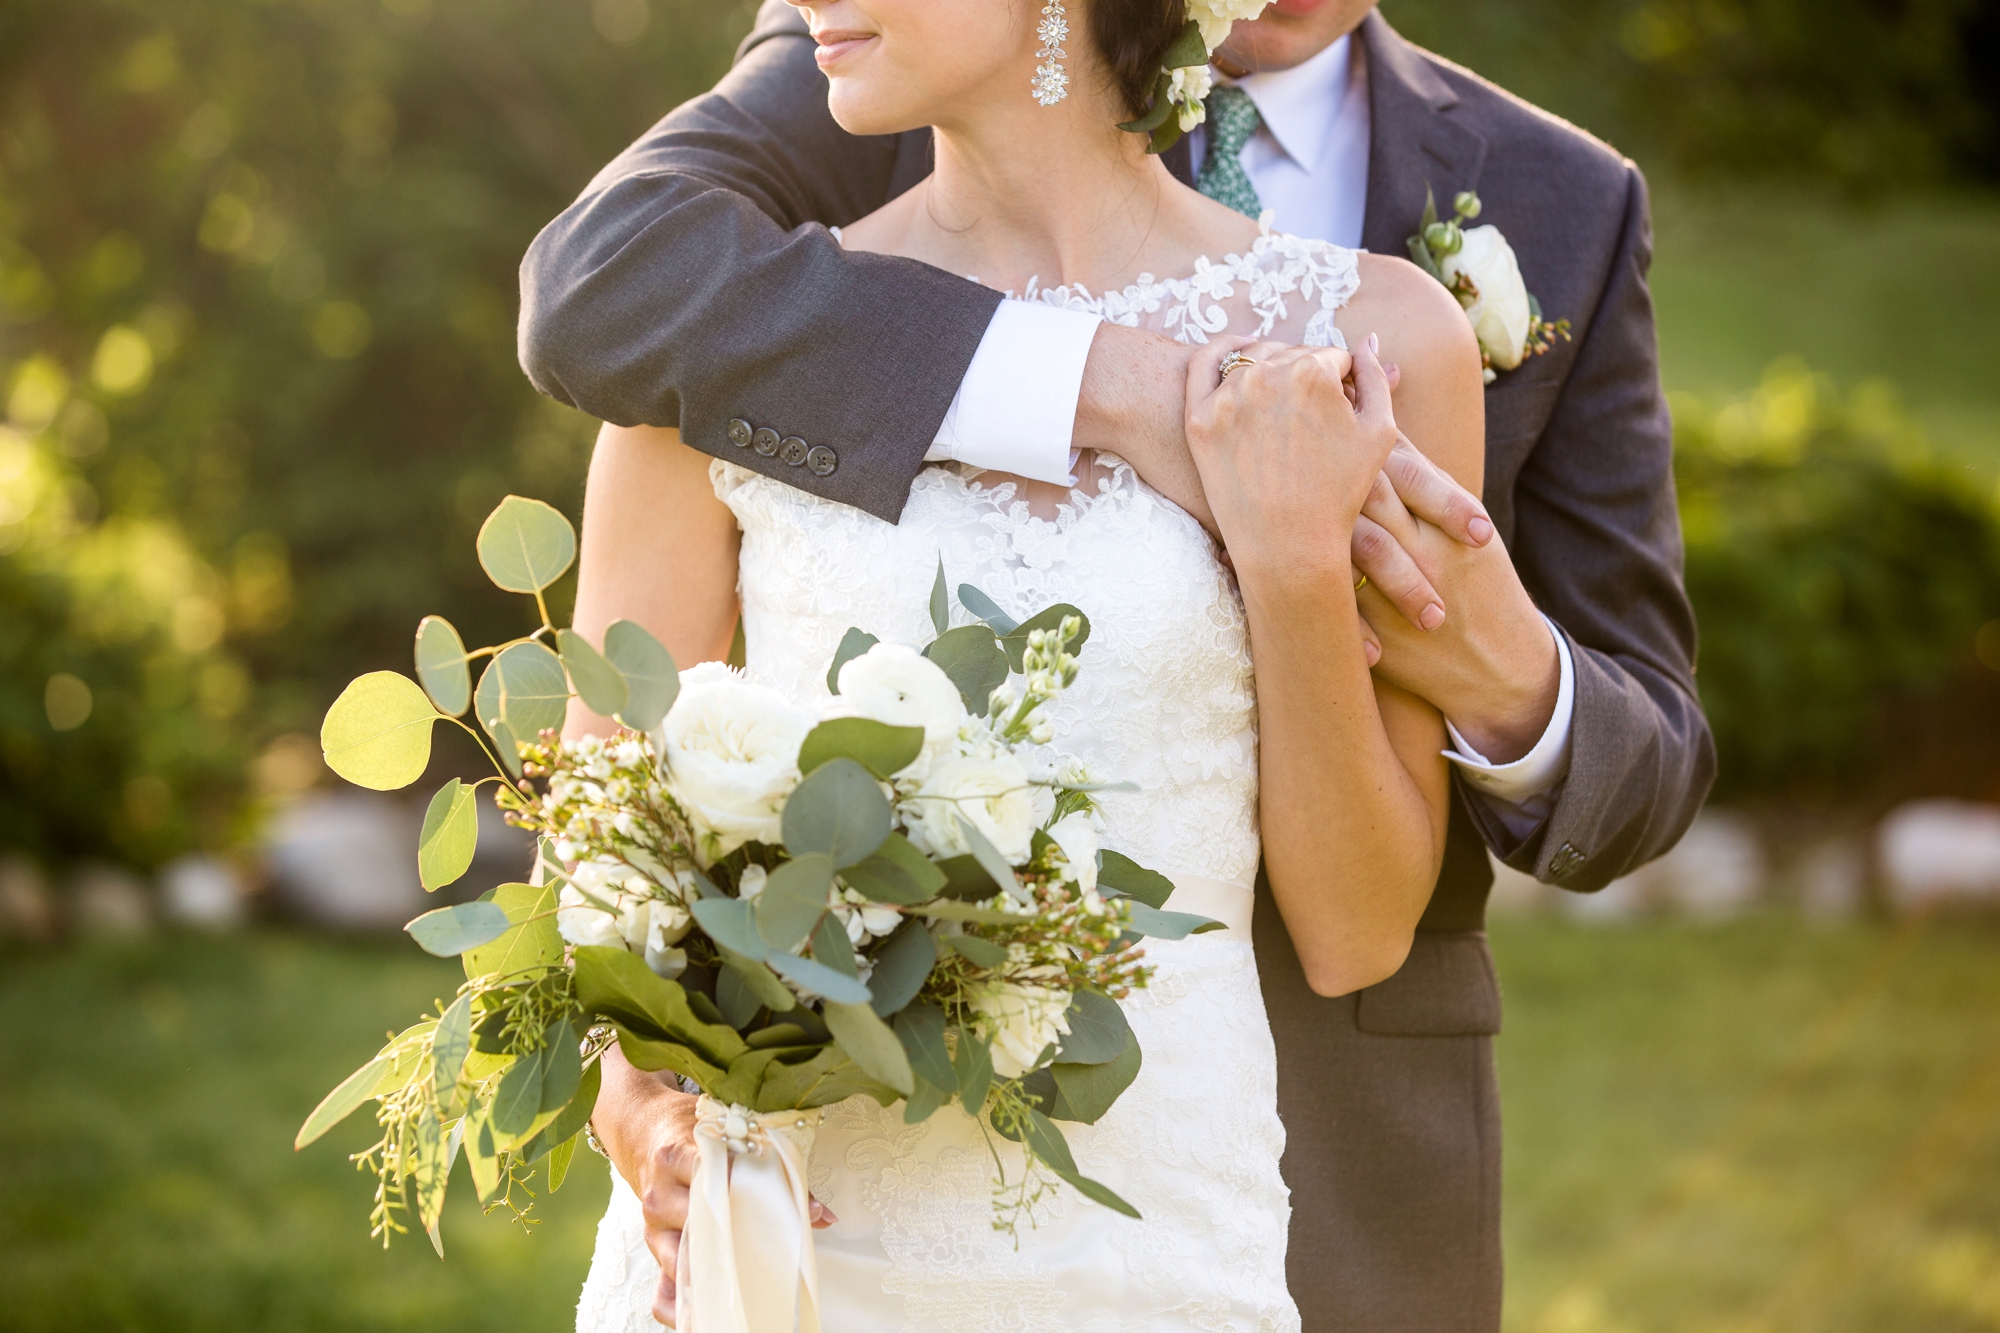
<point>746,1262</point>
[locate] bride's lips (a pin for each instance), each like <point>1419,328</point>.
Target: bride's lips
<point>835,46</point>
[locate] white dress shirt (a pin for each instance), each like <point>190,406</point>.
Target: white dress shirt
<point>1016,408</point>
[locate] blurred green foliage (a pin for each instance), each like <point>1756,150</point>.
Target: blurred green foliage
<point>1841,578</point>
<point>1864,92</point>
<point>257,298</point>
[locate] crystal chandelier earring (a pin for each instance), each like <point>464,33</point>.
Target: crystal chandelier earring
<point>1051,79</point>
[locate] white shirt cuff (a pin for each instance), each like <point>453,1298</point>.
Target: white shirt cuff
<point>1540,769</point>
<point>1016,408</point>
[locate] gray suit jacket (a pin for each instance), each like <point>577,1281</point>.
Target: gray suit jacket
<point>694,284</point>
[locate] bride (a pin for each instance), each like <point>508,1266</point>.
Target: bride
<point>1335,781</point>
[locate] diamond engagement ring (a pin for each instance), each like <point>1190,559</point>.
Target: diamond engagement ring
<point>1234,362</point>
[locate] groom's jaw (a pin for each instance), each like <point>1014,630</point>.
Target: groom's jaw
<point>1289,33</point>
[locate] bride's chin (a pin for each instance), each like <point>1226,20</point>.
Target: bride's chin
<point>858,111</point>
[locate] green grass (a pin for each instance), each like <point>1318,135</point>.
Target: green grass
<point>1758,1128</point>
<point>1901,289</point>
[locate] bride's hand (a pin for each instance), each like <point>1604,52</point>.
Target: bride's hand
<point>1287,457</point>
<point>647,1129</point>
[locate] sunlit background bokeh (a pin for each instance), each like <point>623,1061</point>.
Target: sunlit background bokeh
<point>258,388</point>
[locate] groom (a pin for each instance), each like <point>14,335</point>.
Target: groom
<point>688,287</point>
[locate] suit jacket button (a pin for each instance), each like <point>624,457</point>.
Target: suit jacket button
<point>822,460</point>
<point>740,433</point>
<point>765,441</point>
<point>793,450</point>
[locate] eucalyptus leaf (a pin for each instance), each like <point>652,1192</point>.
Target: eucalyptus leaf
<point>838,810</point>
<point>728,921</point>
<point>971,657</point>
<point>735,999</point>
<point>871,1043</point>
<point>878,747</point>
<point>354,1090</point>
<point>853,644</point>
<point>533,691</point>
<point>562,1065</point>
<point>903,963</point>
<point>990,860</point>
<point>940,602</point>
<point>600,685</point>
<point>750,969</point>
<point>898,873</point>
<point>482,1158</point>
<point>518,1100</point>
<point>1188,49</point>
<point>1098,1030</point>
<point>921,1030</point>
<point>653,1056</point>
<point>449,1046</point>
<point>441,666</point>
<point>533,943</point>
<point>652,681</point>
<point>793,901</point>
<point>986,608</point>
<point>1086,1092</point>
<point>1050,1145</point>
<point>1015,643</point>
<point>978,952</point>
<point>378,733</point>
<point>973,1065</point>
<point>831,946</point>
<point>925,1100</point>
<point>451,931</point>
<point>1156,115</point>
<point>431,1171</point>
<point>1124,875</point>
<point>946,910</point>
<point>1169,925</point>
<point>560,1158</point>
<point>827,1077</point>
<point>777,1035</point>
<point>525,545</point>
<point>581,1103</point>
<point>819,978</point>
<point>450,837</point>
<point>965,879</point>
<point>1097,1193</point>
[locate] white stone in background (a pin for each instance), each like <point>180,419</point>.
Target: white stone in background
<point>1941,851</point>
<point>1833,880</point>
<point>109,901</point>
<point>1518,894</point>
<point>348,859</point>
<point>27,908</point>
<point>203,892</point>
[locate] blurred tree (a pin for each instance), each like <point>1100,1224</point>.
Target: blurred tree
<point>257,295</point>
<point>1848,592</point>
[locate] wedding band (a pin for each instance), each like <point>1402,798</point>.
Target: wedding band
<point>1235,361</point>
<point>1361,583</point>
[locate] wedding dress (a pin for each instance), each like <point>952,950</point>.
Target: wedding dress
<point>1165,700</point>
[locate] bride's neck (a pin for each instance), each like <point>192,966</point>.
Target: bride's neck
<point>1056,194</point>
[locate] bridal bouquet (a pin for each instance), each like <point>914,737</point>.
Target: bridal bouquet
<point>783,906</point>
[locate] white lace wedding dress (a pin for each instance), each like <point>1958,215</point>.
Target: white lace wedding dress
<point>1165,700</point>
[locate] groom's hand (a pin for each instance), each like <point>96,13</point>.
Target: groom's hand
<point>1491,666</point>
<point>647,1128</point>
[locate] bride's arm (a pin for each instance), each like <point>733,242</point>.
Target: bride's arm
<point>1354,790</point>
<point>658,548</point>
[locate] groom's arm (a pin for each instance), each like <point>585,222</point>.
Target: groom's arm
<point>1598,544</point>
<point>687,287</point>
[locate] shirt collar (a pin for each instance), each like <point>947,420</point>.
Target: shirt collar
<point>1299,105</point>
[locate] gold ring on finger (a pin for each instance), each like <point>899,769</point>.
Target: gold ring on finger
<point>1361,583</point>
<point>1234,362</point>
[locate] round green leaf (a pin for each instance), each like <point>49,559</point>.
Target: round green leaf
<point>378,732</point>
<point>878,747</point>
<point>450,837</point>
<point>872,1045</point>
<point>526,689</point>
<point>451,931</point>
<point>651,678</point>
<point>1098,1031</point>
<point>839,810</point>
<point>441,666</point>
<point>793,900</point>
<point>971,656</point>
<point>821,980</point>
<point>525,545</point>
<point>600,684</point>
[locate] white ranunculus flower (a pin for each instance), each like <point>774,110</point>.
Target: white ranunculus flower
<point>899,686</point>
<point>1501,314</point>
<point>1076,834</point>
<point>993,795</point>
<point>732,756</point>
<point>1217,17</point>
<point>1020,1020</point>
<point>579,921</point>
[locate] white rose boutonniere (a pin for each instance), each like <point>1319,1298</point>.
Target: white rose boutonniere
<point>1478,266</point>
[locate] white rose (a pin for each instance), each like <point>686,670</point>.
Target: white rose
<point>901,687</point>
<point>1500,315</point>
<point>732,755</point>
<point>1076,834</point>
<point>579,921</point>
<point>1217,17</point>
<point>993,795</point>
<point>1020,1021</point>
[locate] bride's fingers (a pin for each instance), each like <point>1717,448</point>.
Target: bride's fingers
<point>1205,368</point>
<point>666,1302</point>
<point>822,1216</point>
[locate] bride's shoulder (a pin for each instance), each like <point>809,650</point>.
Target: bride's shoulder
<point>1409,308</point>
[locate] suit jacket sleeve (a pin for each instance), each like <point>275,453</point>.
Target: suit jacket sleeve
<point>1599,546</point>
<point>692,285</point>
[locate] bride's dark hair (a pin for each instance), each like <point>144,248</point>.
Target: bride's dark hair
<point>1132,36</point>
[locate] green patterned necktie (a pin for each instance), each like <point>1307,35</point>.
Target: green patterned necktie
<point>1232,119</point>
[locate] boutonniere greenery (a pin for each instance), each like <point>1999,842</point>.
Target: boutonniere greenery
<point>1478,267</point>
